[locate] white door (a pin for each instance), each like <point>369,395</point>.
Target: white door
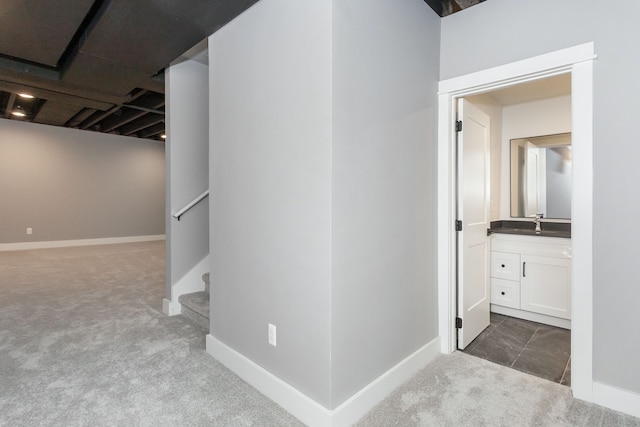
<point>473,213</point>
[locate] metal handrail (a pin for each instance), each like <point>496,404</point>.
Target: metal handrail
<point>190,205</point>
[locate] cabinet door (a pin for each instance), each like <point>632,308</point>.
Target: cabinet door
<point>545,286</point>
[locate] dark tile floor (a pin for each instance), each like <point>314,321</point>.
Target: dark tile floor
<point>534,348</point>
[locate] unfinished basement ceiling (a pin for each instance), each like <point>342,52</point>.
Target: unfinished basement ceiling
<point>99,65</point>
<point>447,7</point>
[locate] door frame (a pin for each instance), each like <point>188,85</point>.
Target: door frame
<point>578,61</point>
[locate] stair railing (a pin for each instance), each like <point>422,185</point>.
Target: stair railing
<point>191,204</point>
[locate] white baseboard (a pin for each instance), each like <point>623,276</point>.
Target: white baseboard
<point>297,403</point>
<point>171,308</point>
<point>82,242</point>
<point>534,317</point>
<point>358,405</point>
<point>306,409</point>
<point>616,398</point>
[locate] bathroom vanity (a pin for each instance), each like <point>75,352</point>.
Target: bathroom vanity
<point>531,274</point>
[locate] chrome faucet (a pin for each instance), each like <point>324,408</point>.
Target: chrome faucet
<point>537,221</point>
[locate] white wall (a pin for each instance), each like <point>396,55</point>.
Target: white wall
<point>615,169</point>
<point>270,77</point>
<point>187,169</point>
<point>68,184</point>
<point>383,287</point>
<point>537,118</point>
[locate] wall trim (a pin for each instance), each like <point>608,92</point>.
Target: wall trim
<point>82,242</point>
<point>507,74</point>
<point>534,317</point>
<point>617,399</point>
<point>358,405</point>
<point>171,308</point>
<point>308,410</point>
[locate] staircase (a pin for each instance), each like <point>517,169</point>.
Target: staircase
<point>195,306</point>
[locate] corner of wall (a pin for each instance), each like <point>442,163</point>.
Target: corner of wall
<point>306,409</point>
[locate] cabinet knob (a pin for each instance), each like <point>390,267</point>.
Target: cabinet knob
<point>502,265</point>
<point>502,292</point>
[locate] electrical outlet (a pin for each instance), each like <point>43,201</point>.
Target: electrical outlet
<point>29,230</point>
<point>272,334</point>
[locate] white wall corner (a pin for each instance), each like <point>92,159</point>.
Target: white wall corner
<point>190,282</point>
<point>616,398</point>
<point>306,409</point>
<point>295,402</point>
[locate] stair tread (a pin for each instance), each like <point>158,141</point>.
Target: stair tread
<point>197,302</point>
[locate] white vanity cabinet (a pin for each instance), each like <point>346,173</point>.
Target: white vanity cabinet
<point>531,278</point>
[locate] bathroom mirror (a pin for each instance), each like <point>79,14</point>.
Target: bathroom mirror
<point>541,176</point>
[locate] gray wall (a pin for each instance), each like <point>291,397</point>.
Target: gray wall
<point>187,166</point>
<point>270,81</point>
<point>534,28</point>
<point>68,184</point>
<point>383,282</point>
<point>323,180</point>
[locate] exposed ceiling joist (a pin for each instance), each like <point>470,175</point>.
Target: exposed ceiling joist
<point>99,64</point>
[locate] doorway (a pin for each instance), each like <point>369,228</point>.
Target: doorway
<point>578,61</point>
<point>498,326</point>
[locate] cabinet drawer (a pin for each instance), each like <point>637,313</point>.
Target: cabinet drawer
<point>505,293</point>
<point>505,265</point>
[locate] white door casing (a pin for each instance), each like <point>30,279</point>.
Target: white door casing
<point>474,293</point>
<point>577,60</point>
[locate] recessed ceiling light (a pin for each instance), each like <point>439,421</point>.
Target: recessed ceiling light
<point>18,113</point>
<point>163,136</point>
<point>26,95</point>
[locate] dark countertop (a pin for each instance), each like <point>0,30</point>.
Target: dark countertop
<point>528,228</point>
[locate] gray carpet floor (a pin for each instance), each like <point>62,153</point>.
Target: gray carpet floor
<point>83,342</point>
<point>464,390</point>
